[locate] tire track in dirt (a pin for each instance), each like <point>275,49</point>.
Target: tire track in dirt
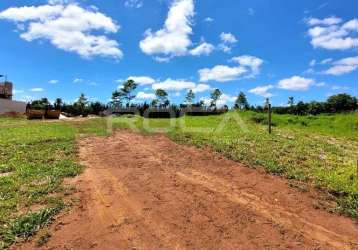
<point>276,214</point>
<point>147,192</point>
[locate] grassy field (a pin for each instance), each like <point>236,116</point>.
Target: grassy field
<point>36,156</point>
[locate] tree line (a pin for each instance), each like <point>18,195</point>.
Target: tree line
<point>81,107</point>
<point>124,96</point>
<point>334,104</point>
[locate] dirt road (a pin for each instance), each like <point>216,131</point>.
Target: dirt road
<point>147,192</point>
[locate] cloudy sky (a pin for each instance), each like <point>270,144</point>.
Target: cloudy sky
<point>273,48</point>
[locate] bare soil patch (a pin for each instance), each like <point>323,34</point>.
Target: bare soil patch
<point>147,192</point>
<point>5,174</point>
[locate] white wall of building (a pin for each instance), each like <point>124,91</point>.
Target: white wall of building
<point>7,106</point>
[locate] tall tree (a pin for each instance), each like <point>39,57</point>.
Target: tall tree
<point>97,107</point>
<point>342,102</point>
<point>154,103</point>
<point>241,101</point>
<point>190,96</point>
<point>126,92</point>
<point>43,103</point>
<point>81,103</point>
<point>215,96</point>
<point>162,97</point>
<point>291,101</point>
<point>116,99</point>
<point>201,103</point>
<point>267,102</point>
<point>301,108</point>
<point>58,103</point>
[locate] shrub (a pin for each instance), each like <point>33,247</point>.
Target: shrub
<point>260,119</point>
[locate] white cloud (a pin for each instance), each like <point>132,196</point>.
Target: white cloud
<point>254,63</point>
<point>145,96</point>
<point>179,85</point>
<point>313,63</point>
<point>348,61</point>
<point>228,40</point>
<point>142,80</point>
<point>320,84</point>
<point>26,98</point>
<point>23,14</point>
<point>78,80</point>
<point>326,61</point>
<point>37,90</point>
<point>174,85</point>
<point>262,91</point>
<point>295,83</point>
<point>168,84</point>
<point>326,21</point>
<point>224,48</point>
<point>173,39</point>
<point>309,71</point>
<point>343,66</point>
<point>206,101</point>
<point>202,49</point>
<point>223,100</point>
<point>134,4</point>
<point>221,73</point>
<point>53,81</point>
<point>331,34</point>
<point>201,88</point>
<point>67,27</point>
<point>161,59</point>
<point>209,20</point>
<point>340,70</point>
<point>351,25</point>
<point>248,66</point>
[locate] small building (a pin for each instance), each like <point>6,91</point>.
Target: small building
<point>6,90</point>
<point>7,105</point>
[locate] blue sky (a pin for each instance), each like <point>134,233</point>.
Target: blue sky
<point>278,48</point>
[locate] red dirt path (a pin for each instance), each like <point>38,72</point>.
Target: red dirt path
<point>147,192</point>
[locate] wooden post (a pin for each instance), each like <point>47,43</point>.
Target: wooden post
<point>269,118</point>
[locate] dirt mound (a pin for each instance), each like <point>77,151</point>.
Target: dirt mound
<point>147,192</point>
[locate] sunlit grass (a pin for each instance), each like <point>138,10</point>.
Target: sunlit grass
<point>35,157</point>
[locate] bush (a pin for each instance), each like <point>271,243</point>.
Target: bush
<point>259,119</point>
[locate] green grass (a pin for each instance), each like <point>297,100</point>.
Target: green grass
<point>338,125</point>
<point>35,157</point>
<point>322,150</point>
